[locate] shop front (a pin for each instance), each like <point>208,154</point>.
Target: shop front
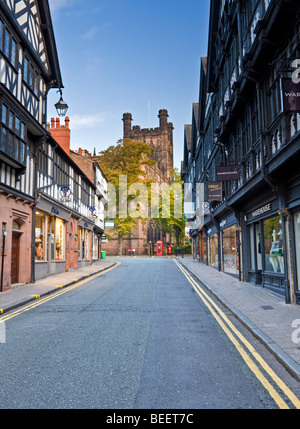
<point>50,239</point>
<point>97,239</point>
<point>85,243</point>
<point>16,241</point>
<point>213,247</point>
<point>266,247</point>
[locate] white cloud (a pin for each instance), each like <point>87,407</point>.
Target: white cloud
<point>57,4</point>
<point>91,33</point>
<point>87,121</point>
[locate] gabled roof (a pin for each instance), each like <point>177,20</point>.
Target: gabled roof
<point>33,25</point>
<point>196,114</point>
<point>47,29</point>
<point>215,6</point>
<point>188,136</point>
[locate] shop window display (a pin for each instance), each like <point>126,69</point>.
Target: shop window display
<point>86,244</point>
<point>40,238</point>
<point>213,251</point>
<point>274,261</point>
<point>59,240</point>
<point>230,250</point>
<point>297,244</point>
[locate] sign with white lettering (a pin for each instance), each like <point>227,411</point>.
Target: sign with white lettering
<point>262,210</point>
<point>227,173</point>
<point>290,95</point>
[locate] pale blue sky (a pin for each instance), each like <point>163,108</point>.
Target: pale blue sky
<point>117,56</point>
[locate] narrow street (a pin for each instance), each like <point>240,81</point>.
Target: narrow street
<point>137,337</point>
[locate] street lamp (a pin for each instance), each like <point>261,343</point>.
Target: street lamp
<point>61,106</point>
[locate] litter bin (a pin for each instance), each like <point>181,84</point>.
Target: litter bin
<point>103,255</point>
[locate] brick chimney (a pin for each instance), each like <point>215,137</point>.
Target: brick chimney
<point>61,133</point>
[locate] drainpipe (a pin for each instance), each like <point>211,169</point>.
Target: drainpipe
<point>32,277</point>
<point>3,250</point>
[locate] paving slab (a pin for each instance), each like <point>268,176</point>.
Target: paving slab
<point>23,294</point>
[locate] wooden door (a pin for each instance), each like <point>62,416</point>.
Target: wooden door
<point>15,259</point>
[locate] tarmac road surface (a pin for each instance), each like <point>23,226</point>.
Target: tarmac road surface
<point>137,337</point>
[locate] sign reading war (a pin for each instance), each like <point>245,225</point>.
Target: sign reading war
<point>291,95</point>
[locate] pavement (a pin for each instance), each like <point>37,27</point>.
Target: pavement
<point>24,294</point>
<point>274,323</point>
<point>265,314</point>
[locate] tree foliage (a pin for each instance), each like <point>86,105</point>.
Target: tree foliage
<point>131,159</point>
<point>171,203</point>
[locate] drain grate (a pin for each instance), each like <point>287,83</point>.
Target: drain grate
<point>267,307</point>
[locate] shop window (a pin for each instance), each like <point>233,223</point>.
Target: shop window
<point>86,244</point>
<point>230,250</point>
<point>40,237</point>
<point>79,242</point>
<point>297,244</point>
<point>59,240</point>
<point>274,261</point>
<point>255,247</point>
<point>213,251</point>
<point>95,246</point>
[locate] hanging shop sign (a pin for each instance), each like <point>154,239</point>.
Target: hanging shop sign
<point>109,224</point>
<point>214,191</point>
<point>226,173</point>
<point>92,211</point>
<point>290,95</point>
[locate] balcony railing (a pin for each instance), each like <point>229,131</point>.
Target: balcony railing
<point>251,31</point>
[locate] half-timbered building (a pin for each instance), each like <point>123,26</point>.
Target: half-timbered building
<point>64,209</point>
<point>252,150</point>
<point>29,68</point>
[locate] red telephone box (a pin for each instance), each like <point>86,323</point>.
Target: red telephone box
<point>159,248</point>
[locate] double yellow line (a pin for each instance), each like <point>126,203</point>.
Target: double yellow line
<point>245,349</point>
<point>40,301</point>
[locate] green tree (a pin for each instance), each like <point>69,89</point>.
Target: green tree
<point>171,207</point>
<point>130,159</point>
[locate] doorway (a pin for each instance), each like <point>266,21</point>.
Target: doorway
<point>15,252</point>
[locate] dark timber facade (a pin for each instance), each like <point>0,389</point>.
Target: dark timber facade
<point>253,231</point>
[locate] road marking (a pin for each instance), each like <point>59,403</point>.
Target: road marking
<point>230,329</point>
<point>54,295</point>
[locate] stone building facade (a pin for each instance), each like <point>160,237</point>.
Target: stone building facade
<point>143,239</point>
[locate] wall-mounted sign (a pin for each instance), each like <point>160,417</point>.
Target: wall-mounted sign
<point>214,191</point>
<point>55,211</point>
<point>290,95</point>
<point>109,224</point>
<point>226,173</point>
<point>65,193</point>
<point>223,223</point>
<point>92,212</point>
<point>206,209</point>
<point>262,210</point>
